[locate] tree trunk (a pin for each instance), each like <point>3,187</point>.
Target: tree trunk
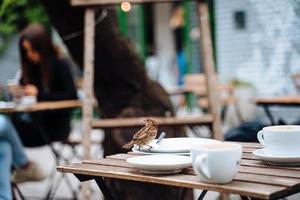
<point>122,87</point>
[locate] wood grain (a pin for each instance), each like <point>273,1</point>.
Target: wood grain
<point>42,106</point>
<point>88,81</point>
<point>139,121</point>
<point>209,69</point>
<point>254,178</point>
<point>279,100</point>
<point>256,190</point>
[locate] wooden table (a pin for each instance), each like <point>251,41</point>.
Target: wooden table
<point>255,179</point>
<point>41,106</point>
<point>286,101</point>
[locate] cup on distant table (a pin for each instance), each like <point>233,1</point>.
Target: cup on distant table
<point>216,163</point>
<point>15,90</point>
<point>28,100</point>
<point>283,140</point>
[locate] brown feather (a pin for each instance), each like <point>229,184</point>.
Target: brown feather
<point>128,145</point>
<point>144,136</point>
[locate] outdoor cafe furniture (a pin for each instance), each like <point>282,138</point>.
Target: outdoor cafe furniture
<point>41,106</point>
<point>281,101</point>
<point>255,179</point>
<point>9,108</point>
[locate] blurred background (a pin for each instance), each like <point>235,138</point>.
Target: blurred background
<point>256,49</point>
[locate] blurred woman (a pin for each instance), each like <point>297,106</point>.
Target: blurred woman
<point>47,76</point>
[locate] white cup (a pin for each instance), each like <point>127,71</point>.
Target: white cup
<point>217,163</point>
<point>281,140</point>
<point>28,100</point>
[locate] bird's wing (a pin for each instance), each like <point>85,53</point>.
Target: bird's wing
<point>128,145</point>
<point>141,134</point>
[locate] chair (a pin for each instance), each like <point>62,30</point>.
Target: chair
<point>196,84</point>
<point>16,192</point>
<point>73,146</point>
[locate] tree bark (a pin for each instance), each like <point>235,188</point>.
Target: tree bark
<point>122,87</point>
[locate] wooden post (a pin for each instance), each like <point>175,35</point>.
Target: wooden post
<point>209,69</point>
<point>88,82</point>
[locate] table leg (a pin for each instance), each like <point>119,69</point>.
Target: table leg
<point>202,195</point>
<point>182,193</point>
<point>103,187</point>
<point>247,198</point>
<point>100,182</point>
<point>269,114</point>
<point>244,198</point>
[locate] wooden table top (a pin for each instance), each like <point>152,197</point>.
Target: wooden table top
<point>40,106</point>
<point>254,179</point>
<point>279,100</point>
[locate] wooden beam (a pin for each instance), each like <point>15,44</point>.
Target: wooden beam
<point>88,81</point>
<point>112,2</point>
<point>160,121</point>
<point>209,69</point>
<point>89,41</point>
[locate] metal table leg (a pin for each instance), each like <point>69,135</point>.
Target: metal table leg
<point>103,187</point>
<point>100,182</point>
<point>247,198</point>
<point>202,195</point>
<point>182,194</point>
<point>244,198</point>
<point>269,114</point>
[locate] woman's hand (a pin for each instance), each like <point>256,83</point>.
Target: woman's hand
<point>30,90</point>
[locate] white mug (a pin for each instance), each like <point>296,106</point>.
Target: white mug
<point>281,140</point>
<point>28,100</point>
<point>216,163</point>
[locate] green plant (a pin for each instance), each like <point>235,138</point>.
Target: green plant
<point>15,15</point>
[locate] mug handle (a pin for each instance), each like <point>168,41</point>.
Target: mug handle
<point>260,137</point>
<point>201,165</point>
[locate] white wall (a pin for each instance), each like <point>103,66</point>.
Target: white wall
<point>9,61</point>
<point>165,44</point>
<point>233,46</point>
<point>267,52</point>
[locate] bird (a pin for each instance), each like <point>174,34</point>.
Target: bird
<point>144,136</point>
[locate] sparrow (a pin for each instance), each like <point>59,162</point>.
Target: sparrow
<point>144,136</point>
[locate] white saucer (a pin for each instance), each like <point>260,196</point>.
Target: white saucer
<point>148,152</point>
<point>7,105</point>
<point>175,145</point>
<point>160,164</point>
<point>277,160</point>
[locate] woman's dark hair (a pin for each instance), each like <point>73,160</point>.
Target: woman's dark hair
<point>41,42</point>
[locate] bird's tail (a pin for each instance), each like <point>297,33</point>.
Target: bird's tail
<point>128,145</point>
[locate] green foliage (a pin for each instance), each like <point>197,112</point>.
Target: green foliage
<point>15,15</point>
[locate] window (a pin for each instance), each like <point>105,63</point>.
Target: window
<point>239,20</point>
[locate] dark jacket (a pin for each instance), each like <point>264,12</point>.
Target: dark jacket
<point>40,128</point>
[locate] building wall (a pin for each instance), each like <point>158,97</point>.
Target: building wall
<point>233,45</point>
<point>267,51</point>
<point>165,44</point>
<point>9,61</point>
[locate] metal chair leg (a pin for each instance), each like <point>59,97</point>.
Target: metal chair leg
<point>17,192</point>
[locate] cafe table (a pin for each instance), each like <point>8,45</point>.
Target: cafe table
<point>43,106</point>
<point>255,179</point>
<point>40,106</point>
<point>281,101</point>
